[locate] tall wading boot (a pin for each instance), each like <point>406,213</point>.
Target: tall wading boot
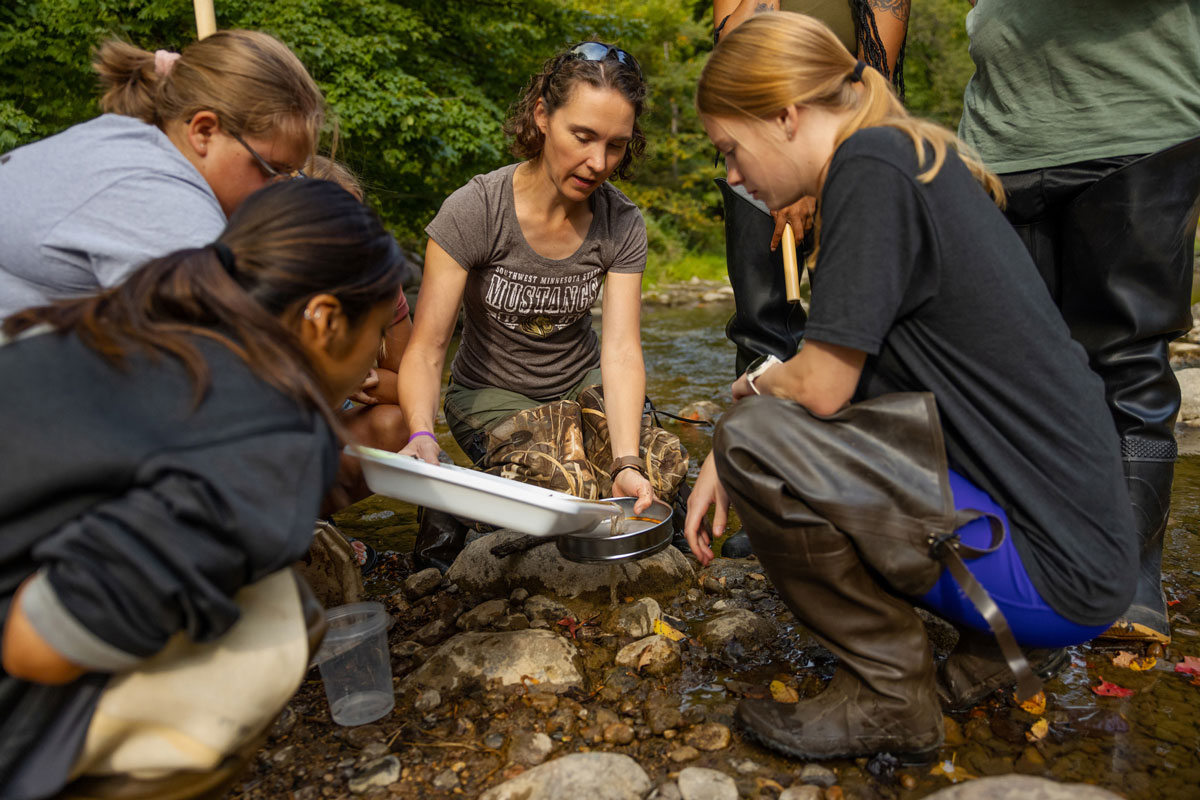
<point>976,668</point>
<point>440,538</point>
<point>763,321</point>
<point>1127,254</point>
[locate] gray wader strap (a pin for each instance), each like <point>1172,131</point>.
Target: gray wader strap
<point>950,550</point>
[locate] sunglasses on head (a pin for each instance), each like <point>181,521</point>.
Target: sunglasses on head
<point>599,51</point>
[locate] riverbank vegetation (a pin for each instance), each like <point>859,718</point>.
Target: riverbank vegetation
<point>420,88</point>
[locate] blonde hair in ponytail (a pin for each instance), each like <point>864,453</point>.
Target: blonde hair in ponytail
<point>773,61</point>
<point>253,83</point>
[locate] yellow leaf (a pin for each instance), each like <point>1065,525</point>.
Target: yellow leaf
<point>1035,705</point>
<point>1130,661</point>
<point>663,629</point>
<point>784,693</point>
<point>1038,730</point>
<point>951,770</point>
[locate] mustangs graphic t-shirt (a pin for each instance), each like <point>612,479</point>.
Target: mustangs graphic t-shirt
<point>527,318</point>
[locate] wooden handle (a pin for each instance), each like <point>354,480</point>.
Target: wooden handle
<point>206,18</point>
<point>791,272</point>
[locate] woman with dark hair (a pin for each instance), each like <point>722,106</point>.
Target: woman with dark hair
<point>141,516</point>
<point>526,248</point>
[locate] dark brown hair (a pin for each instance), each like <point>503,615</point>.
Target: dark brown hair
<point>290,241</point>
<point>553,85</point>
<point>253,83</point>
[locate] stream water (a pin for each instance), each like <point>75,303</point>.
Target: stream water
<point>1143,746</point>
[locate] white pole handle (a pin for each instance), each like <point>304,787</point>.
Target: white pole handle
<point>206,18</point>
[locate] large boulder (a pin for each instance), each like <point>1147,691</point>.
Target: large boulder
<point>489,660</point>
<point>541,570</point>
<point>1021,787</point>
<point>596,776</point>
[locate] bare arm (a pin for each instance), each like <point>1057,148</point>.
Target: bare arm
<point>623,372</point>
<point>420,376</point>
<point>738,11</point>
<point>29,657</point>
<point>891,17</point>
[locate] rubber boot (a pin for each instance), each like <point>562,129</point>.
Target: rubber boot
<point>440,538</point>
<point>882,697</point>
<point>1149,485</point>
<point>763,321</point>
<point>976,668</point>
<point>737,546</point>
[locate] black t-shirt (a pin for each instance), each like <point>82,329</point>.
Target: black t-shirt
<point>933,284</point>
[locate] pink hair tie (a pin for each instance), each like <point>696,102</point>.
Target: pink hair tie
<point>164,61</point>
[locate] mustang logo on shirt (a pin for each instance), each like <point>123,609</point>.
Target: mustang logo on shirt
<point>537,305</point>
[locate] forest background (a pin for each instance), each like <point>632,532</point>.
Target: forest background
<point>420,88</point>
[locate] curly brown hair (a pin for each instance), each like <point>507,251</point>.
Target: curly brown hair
<point>553,86</point>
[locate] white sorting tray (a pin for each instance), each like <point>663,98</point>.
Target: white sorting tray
<point>475,495</point>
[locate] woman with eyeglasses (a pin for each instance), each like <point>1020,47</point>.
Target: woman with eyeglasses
<point>525,249</point>
<point>150,626</point>
<point>184,139</point>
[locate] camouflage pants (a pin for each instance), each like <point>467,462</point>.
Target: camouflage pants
<point>561,445</point>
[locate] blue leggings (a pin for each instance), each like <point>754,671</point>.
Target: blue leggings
<point>1033,621</point>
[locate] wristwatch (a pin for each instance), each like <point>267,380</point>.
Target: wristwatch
<point>757,367</point>
<point>627,462</point>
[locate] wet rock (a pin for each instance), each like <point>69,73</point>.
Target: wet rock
<point>708,736</point>
<point>422,583</point>
<point>618,733</point>
<point>1021,787</point>
<point>493,741</point>
<point>635,619</point>
<point>737,625</point>
<point>799,792</point>
<point>427,701</point>
<point>746,766</point>
<point>284,756</point>
<point>561,722</point>
<point>434,632</point>
<point>697,783</point>
<point>483,615</point>
<point>1031,762</point>
<point>713,586</point>
<point>530,748</point>
<point>685,753</point>
<point>817,775</point>
<point>1189,388</point>
<point>597,776</point>
<point>483,660</point>
<point>978,729</point>
<point>446,780</point>
<point>375,750</point>
<point>407,649</point>
<point>653,655</point>
<point>543,608</point>
<point>542,569</point>
<point>954,733</point>
<point>512,622</point>
<point>363,735</point>
<point>377,773</point>
<point>283,724</point>
<point>667,791</point>
<point>701,411</point>
<point>518,596</point>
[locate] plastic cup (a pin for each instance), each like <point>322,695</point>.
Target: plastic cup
<point>354,663</point>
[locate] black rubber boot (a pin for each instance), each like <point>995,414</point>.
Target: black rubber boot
<point>976,668</point>
<point>440,538</point>
<point>737,546</point>
<point>1149,485</point>
<point>763,321</point>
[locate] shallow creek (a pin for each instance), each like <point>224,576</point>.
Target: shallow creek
<point>1143,746</point>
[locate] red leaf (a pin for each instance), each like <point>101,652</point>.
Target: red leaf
<point>1189,666</point>
<point>1106,689</point>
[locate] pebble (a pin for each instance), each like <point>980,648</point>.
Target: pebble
<point>698,783</point>
<point>284,723</point>
<point>708,736</point>
<point>483,615</point>
<point>377,773</point>
<point>530,748</point>
<point>540,607</point>
<point>685,753</point>
<point>427,701</point>
<point>817,775</point>
<point>446,780</point>
<point>363,735</point>
<point>954,733</point>
<point>637,619</point>
<point>746,766</point>
<point>519,596</point>
<point>802,792</point>
<point>667,791</point>
<point>406,649</point>
<point>375,750</point>
<point>713,586</point>
<point>434,632</point>
<point>493,741</point>
<point>284,756</point>
<point>618,733</point>
<point>653,655</point>
<point>422,583</point>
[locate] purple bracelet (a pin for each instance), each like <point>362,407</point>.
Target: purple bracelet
<point>422,433</point>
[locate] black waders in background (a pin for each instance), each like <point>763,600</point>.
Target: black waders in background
<point>1114,240</point>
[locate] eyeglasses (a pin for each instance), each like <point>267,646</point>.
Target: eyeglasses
<point>270,171</point>
<point>599,51</point>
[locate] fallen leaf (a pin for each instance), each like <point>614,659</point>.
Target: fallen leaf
<point>1189,666</point>
<point>1035,705</point>
<point>645,658</point>
<point>1172,602</point>
<point>1130,661</point>
<point>784,693</point>
<point>756,576</point>
<point>951,770</point>
<point>1038,730</point>
<point>1106,689</point>
<point>663,629</point>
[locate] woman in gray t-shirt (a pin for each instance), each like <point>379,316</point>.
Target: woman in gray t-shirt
<point>525,249</point>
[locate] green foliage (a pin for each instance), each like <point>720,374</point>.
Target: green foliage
<point>937,65</point>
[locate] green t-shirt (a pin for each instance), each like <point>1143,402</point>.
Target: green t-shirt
<point>1073,80</point>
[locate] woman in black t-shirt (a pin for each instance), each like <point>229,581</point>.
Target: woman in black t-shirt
<point>917,425</point>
